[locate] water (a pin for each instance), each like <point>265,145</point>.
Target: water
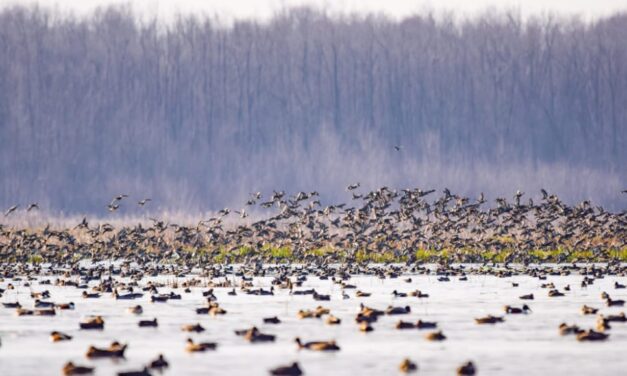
<point>523,345</point>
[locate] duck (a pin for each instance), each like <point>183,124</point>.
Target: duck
<point>12,305</point>
<point>24,312</point>
<point>398,310</point>
<point>42,304</point>
<point>615,318</point>
<point>614,303</point>
<point>143,372</point>
<point>603,325</point>
<point>526,297</point>
<point>399,294</point>
<point>418,294</point>
<point>130,296</point>
<point>65,306</point>
<point>193,328</point>
<point>45,312</point>
<point>271,320</point>
<point>365,327</point>
<point>435,336</point>
<point>87,295</point>
<point>148,323</point>
<point>232,292</point>
<point>70,369</point>
<point>516,310</point>
<point>332,320</point>
<point>426,324</point>
<point>466,369</point>
<point>555,293</point>
<point>566,329</point>
<point>115,350</point>
<point>291,370</point>
<point>587,310</point>
<point>591,335</point>
<point>58,336</point>
<point>618,285</point>
<point>405,325</point>
<point>92,323</point>
<point>159,363</point>
<point>362,294</point>
<point>407,366</point>
<point>321,297</point>
<point>317,345</point>
<point>253,335</point>
<point>199,347</point>
<point>136,310</point>
<point>489,319</point>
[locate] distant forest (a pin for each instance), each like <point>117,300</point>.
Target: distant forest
<point>196,114</point>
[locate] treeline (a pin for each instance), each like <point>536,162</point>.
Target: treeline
<point>196,115</point>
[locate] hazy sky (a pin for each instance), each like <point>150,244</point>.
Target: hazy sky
<point>587,9</point>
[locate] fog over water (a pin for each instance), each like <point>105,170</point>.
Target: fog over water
<point>197,115</point>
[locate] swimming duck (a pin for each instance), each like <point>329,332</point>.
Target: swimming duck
<point>603,325</point>
<point>435,336</point>
<point>615,318</point>
<point>271,320</point>
<point>193,328</point>
<point>332,320</point>
<point>555,293</point>
<point>45,312</point>
<point>70,369</point>
<point>587,310</point>
<point>614,303</point>
<point>58,336</point>
<point>42,304</point>
<point>405,325</point>
<point>569,329</point>
<point>591,335</point>
<point>291,370</point>
<point>253,335</point>
<point>130,296</point>
<point>317,345</point>
<point>362,294</point>
<point>408,366</point>
<point>418,294</point>
<point>137,310</point>
<point>92,323</point>
<point>365,327</point>
<point>159,363</point>
<point>489,319</point>
<point>87,295</point>
<point>398,310</point>
<point>515,310</point>
<point>467,369</point>
<point>618,285</point>
<point>426,324</point>
<point>65,306</point>
<point>143,372</point>
<point>399,294</point>
<point>115,350</point>
<point>526,297</point>
<point>199,347</point>
<point>148,323</point>
<point>12,305</point>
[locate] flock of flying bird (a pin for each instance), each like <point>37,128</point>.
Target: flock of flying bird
<point>382,221</point>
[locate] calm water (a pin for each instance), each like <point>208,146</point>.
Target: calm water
<point>523,345</point>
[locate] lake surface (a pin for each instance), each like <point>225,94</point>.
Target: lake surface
<point>523,345</point>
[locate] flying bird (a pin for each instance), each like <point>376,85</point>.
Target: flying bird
<point>144,201</point>
<point>397,147</point>
<point>32,206</point>
<point>11,210</point>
